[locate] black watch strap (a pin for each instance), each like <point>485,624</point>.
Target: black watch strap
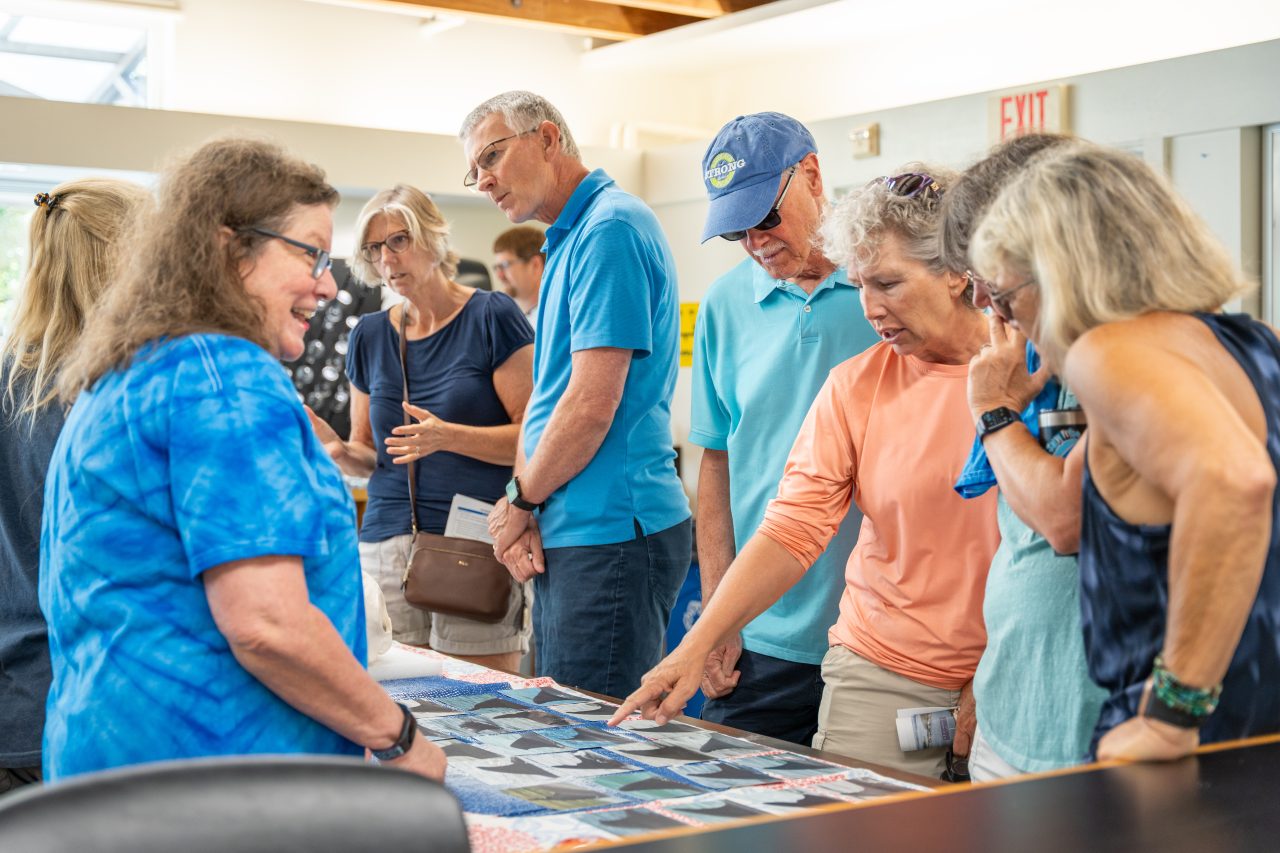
<point>515,497</point>
<point>996,419</point>
<point>407,732</point>
<point>1156,709</point>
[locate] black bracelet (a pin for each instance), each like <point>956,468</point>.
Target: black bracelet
<point>407,732</point>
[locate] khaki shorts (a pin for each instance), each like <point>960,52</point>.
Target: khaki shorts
<point>385,562</point>
<point>859,705</point>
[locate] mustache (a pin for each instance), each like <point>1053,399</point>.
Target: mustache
<point>765,250</point>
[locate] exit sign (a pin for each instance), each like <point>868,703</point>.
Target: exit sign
<point>1037,109</point>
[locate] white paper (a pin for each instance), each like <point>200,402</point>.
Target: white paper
<point>925,728</point>
<point>468,519</point>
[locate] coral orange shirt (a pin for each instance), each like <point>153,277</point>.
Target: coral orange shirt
<point>892,433</point>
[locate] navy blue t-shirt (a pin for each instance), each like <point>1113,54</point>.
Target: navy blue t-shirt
<point>25,448</point>
<point>451,376</point>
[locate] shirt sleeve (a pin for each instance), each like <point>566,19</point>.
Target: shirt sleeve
<point>612,287</point>
<point>710,422</point>
<point>507,329</point>
<point>239,481</point>
<point>817,483</point>
<point>358,366</point>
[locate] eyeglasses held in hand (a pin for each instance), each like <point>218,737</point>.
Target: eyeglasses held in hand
<point>489,157</point>
<point>398,242</point>
<point>912,184</point>
<point>321,257</point>
<point>772,219</point>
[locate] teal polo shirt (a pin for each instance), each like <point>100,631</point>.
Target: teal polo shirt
<point>761,350</point>
<point>610,281</point>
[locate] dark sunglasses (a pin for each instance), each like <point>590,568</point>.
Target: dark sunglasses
<point>912,184</point>
<point>322,262</point>
<point>772,219</point>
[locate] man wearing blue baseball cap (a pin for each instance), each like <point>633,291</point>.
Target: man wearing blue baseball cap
<point>768,332</point>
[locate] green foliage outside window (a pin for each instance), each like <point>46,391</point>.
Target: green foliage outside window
<point>13,249</point>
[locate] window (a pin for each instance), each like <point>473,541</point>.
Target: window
<point>90,60</point>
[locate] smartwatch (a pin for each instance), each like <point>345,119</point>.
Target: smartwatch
<point>996,419</point>
<point>407,732</point>
<point>516,498</point>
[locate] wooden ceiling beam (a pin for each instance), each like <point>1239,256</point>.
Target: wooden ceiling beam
<point>691,8</point>
<point>604,20</point>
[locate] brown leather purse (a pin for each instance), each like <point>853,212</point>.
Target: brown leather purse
<point>446,574</point>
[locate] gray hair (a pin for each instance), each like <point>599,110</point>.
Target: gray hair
<point>521,111</point>
<point>967,200</point>
<point>1107,238</point>
<point>854,228</point>
<point>422,219</point>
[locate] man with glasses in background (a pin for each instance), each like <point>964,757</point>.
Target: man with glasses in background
<point>768,332</point>
<point>596,463</point>
<point>518,263</point>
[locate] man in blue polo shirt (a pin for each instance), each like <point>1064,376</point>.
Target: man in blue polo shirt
<point>596,461</point>
<point>768,332</point>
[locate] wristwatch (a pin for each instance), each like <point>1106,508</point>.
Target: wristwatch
<point>996,419</point>
<point>515,496</point>
<point>407,732</point>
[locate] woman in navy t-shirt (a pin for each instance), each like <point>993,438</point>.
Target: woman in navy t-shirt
<point>469,359</point>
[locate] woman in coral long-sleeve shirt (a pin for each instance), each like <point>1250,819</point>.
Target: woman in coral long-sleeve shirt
<point>889,430</point>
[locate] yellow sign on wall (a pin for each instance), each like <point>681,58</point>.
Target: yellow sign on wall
<point>688,319</point>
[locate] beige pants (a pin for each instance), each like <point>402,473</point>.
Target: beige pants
<point>453,635</point>
<point>859,705</point>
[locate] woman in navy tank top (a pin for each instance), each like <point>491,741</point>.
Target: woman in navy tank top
<point>1120,286</point>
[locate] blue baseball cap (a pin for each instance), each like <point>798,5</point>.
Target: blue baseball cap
<point>742,167</point>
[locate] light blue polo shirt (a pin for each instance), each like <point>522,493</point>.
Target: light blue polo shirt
<point>610,281</point>
<point>761,350</point>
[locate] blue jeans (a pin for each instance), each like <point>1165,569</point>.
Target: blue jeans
<point>600,611</point>
<point>774,697</point>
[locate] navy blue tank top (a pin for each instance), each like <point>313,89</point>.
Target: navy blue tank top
<point>1125,586</point>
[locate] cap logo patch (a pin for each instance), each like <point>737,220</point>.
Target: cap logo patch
<point>723,167</point>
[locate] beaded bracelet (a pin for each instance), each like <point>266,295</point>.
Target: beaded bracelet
<point>1196,701</point>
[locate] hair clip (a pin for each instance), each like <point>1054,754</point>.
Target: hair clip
<point>49,202</point>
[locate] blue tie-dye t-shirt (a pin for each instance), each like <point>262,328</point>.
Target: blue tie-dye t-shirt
<point>197,455</point>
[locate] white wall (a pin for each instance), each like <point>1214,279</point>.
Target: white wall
<point>1199,115</point>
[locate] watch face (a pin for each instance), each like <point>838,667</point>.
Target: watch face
<point>513,491</point>
<point>997,418</point>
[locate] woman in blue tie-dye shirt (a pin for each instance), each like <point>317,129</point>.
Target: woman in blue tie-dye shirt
<point>198,559</point>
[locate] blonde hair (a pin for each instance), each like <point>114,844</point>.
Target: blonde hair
<point>1106,238</point>
<point>422,219</point>
<point>856,225</point>
<point>184,276</point>
<point>74,241</point>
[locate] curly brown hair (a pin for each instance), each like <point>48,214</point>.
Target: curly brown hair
<point>184,275</point>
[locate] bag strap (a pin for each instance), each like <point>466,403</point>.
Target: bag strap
<point>404,375</point>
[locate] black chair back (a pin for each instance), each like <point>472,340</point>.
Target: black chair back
<point>268,804</point>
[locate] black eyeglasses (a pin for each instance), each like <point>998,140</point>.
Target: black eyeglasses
<point>912,184</point>
<point>1000,301</point>
<point>772,219</point>
<point>322,261</point>
<point>398,242</point>
<point>488,158</point>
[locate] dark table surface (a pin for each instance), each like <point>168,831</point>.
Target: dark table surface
<point>1224,799</point>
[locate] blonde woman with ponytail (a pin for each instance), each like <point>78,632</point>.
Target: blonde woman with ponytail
<point>75,238</point>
